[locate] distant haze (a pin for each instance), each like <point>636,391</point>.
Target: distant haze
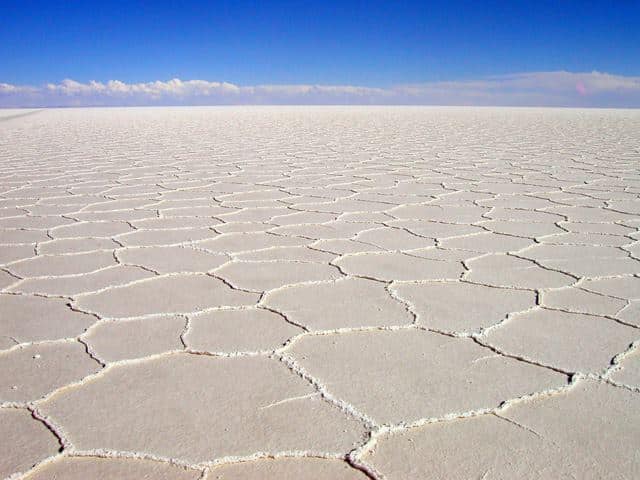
<point>594,89</point>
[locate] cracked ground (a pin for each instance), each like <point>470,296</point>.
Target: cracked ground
<point>326,293</point>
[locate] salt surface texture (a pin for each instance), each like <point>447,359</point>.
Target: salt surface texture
<point>327,293</point>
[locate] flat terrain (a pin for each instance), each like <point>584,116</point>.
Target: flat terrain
<point>320,293</point>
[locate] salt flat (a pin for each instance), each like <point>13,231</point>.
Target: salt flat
<point>320,292</point>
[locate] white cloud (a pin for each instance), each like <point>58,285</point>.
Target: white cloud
<point>536,88</point>
<point>153,90</point>
<point>8,89</point>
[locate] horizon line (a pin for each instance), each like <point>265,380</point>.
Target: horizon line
<point>534,89</point>
<point>320,105</point>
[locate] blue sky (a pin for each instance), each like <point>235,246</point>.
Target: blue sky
<point>379,46</point>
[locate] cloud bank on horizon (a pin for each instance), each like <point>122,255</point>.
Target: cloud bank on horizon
<point>558,88</point>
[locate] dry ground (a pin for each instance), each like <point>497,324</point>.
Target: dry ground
<point>321,293</point>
